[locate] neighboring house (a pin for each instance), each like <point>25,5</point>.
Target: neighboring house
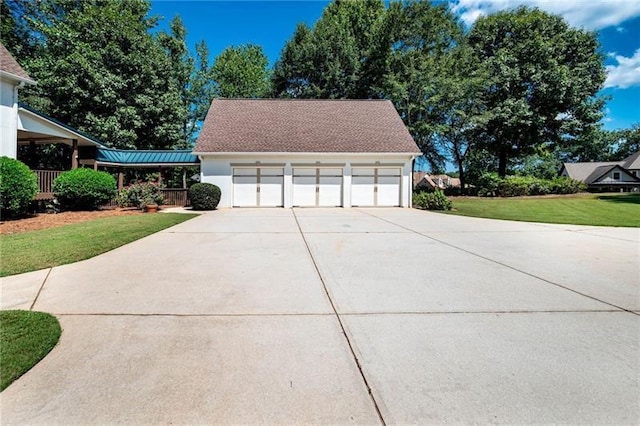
<point>285,153</point>
<point>607,176</point>
<point>423,180</point>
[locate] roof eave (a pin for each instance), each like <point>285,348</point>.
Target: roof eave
<point>11,76</point>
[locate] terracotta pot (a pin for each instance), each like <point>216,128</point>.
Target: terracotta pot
<point>151,208</point>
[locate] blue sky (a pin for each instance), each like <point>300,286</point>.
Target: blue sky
<point>271,23</point>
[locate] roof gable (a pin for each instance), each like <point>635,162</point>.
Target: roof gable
<point>602,171</point>
<point>9,66</point>
<point>292,125</point>
<point>632,162</point>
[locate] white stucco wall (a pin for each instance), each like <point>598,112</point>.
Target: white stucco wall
<point>218,170</point>
<point>8,120</point>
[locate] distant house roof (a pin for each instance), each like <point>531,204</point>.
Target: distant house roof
<point>632,162</point>
<point>9,67</point>
<point>585,171</point>
<point>291,125</point>
<point>142,158</point>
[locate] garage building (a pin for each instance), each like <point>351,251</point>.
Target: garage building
<point>307,153</point>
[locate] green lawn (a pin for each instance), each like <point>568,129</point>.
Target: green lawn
<point>30,251</point>
<point>580,209</point>
<point>25,338</point>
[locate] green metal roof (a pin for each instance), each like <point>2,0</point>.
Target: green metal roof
<point>154,157</point>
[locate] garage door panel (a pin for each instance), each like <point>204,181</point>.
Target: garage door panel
<point>271,191</point>
<point>362,171</point>
<point>388,191</point>
<point>389,172</point>
<point>330,191</point>
<point>304,190</point>
<point>245,191</point>
<point>362,190</point>
<point>245,171</point>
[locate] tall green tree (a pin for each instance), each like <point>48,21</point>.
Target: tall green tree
<point>421,39</point>
<point>100,70</point>
<point>334,59</point>
<point>192,75</point>
<point>241,72</point>
<point>544,77</point>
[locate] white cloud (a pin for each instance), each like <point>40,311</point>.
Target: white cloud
<point>592,15</point>
<point>626,73</point>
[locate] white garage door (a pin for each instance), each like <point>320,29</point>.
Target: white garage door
<point>375,186</point>
<point>258,187</point>
<point>317,187</point>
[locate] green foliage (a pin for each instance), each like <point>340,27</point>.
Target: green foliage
<point>100,70</point>
<point>45,248</point>
<point>339,58</point>
<point>84,189</point>
<point>491,185</point>
<point>18,186</point>
<point>241,72</point>
<point>204,196</point>
<point>543,81</point>
<point>140,194</point>
<point>435,200</point>
<point>25,338</point>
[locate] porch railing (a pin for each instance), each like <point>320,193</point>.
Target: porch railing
<point>45,183</point>
<point>172,197</point>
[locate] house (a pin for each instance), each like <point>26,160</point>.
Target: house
<point>289,152</point>
<point>430,182</point>
<point>607,176</point>
<point>22,125</point>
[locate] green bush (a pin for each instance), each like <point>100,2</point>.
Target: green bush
<point>490,185</point>
<point>435,200</point>
<point>18,186</point>
<point>204,196</point>
<point>140,194</point>
<point>84,189</point>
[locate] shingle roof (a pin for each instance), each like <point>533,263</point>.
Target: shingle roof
<point>151,157</point>
<point>632,162</point>
<point>279,125</point>
<point>582,171</point>
<point>9,65</point>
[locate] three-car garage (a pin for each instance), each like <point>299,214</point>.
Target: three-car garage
<point>307,153</point>
<point>317,186</point>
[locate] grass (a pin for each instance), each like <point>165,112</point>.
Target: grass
<point>30,251</point>
<point>580,209</point>
<point>25,338</point>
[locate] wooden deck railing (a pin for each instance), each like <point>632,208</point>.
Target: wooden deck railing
<point>172,197</point>
<point>45,183</point>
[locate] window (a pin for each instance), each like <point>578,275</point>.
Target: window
<point>616,175</point>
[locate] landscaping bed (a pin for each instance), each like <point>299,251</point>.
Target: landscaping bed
<point>50,220</point>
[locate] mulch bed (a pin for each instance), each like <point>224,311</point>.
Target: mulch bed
<point>53,220</point>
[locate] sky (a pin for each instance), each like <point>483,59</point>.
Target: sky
<point>271,23</point>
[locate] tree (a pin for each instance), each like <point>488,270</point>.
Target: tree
<point>544,77</point>
<point>627,143</point>
<point>334,59</point>
<point>422,38</point>
<point>241,72</point>
<point>99,70</point>
<point>192,75</point>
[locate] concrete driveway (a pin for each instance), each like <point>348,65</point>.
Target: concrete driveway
<point>332,316</point>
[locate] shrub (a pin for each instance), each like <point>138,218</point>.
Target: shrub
<point>140,194</point>
<point>490,185</point>
<point>435,200</point>
<point>84,189</point>
<point>204,196</point>
<point>18,186</point>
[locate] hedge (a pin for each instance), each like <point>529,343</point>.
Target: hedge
<point>204,196</point>
<point>18,187</point>
<point>84,189</point>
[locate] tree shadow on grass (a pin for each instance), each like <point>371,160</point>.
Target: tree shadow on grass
<point>622,198</point>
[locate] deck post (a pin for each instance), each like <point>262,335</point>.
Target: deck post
<point>120,180</point>
<point>74,154</point>
<point>184,178</point>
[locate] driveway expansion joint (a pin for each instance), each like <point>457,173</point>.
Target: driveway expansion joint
<point>504,264</point>
<point>341,324</point>
<point>35,299</point>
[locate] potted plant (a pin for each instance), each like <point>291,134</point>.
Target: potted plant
<point>143,195</point>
